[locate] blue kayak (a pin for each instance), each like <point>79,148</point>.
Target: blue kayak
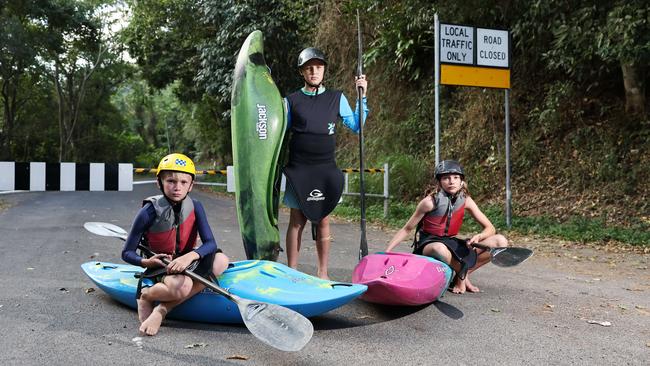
<point>257,280</point>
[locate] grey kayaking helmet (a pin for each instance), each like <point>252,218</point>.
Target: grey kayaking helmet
<point>310,53</point>
<point>449,167</point>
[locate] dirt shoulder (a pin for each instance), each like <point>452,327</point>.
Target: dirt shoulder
<point>597,260</point>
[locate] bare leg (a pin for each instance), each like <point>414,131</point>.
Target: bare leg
<point>323,247</point>
<point>173,292</point>
<point>172,288</point>
<point>441,252</point>
<point>469,286</point>
<point>297,223</point>
<point>145,307</point>
<point>152,324</point>
<point>494,241</point>
<point>220,264</point>
<point>158,292</point>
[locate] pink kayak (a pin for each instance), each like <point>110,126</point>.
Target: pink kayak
<point>402,278</point>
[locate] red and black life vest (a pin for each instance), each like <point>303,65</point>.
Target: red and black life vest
<point>447,216</point>
<point>173,231</point>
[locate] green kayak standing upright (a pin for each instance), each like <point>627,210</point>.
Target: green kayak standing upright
<point>258,123</point>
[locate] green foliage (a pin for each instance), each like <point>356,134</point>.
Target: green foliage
<point>405,37</point>
<point>625,36</point>
<point>163,36</point>
<point>596,36</point>
<point>578,229</point>
<point>553,118</point>
<point>575,65</point>
<point>210,132</point>
<point>205,38</point>
<point>282,23</point>
<point>409,176</point>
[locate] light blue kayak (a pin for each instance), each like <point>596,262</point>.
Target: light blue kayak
<point>257,280</point>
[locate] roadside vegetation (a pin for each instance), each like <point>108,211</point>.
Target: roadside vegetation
<point>128,81</point>
<point>576,228</point>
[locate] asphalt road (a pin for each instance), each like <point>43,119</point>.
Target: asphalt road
<point>539,313</point>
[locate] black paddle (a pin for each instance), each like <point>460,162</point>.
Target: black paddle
<point>508,256</point>
<point>363,247</point>
<point>275,325</point>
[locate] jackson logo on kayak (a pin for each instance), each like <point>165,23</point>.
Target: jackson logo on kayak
<point>316,195</point>
<point>261,121</point>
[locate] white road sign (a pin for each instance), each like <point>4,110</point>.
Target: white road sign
<point>492,47</point>
<point>456,44</point>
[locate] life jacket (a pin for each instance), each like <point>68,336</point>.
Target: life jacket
<point>311,170</point>
<point>172,232</point>
<point>447,217</point>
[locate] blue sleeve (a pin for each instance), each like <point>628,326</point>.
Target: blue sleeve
<point>143,220</point>
<point>209,245</point>
<point>350,119</point>
<point>286,103</point>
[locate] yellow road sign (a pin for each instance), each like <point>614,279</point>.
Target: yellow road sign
<point>474,76</point>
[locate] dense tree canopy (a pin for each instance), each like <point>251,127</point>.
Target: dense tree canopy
<point>69,90</point>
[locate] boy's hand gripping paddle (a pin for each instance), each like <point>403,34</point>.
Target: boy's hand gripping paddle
<point>275,325</point>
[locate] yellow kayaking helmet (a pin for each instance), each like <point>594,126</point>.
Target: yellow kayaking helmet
<point>177,163</point>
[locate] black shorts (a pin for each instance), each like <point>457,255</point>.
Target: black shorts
<point>458,248</point>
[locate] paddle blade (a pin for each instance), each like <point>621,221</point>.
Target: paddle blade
<point>105,229</point>
<point>511,256</point>
<point>277,326</point>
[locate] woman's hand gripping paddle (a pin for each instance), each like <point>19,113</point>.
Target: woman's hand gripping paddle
<point>275,325</point>
<point>508,256</point>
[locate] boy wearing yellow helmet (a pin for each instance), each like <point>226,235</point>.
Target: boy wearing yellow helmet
<point>169,224</point>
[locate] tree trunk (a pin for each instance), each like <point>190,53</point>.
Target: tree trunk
<point>61,114</point>
<point>9,108</point>
<point>633,80</point>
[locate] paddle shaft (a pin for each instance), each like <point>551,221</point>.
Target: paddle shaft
<point>363,246</point>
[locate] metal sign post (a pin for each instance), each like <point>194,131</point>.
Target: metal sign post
<point>436,52</point>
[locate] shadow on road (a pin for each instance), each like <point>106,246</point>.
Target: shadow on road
<point>360,313</point>
<point>449,310</point>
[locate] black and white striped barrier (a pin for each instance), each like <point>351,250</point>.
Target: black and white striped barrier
<point>36,176</point>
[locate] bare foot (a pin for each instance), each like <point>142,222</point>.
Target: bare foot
<point>152,324</point>
<point>145,307</point>
<point>459,287</point>
<point>322,274</point>
<point>470,287</point>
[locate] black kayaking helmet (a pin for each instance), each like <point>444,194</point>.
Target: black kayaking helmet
<point>449,167</point>
<point>310,53</point>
